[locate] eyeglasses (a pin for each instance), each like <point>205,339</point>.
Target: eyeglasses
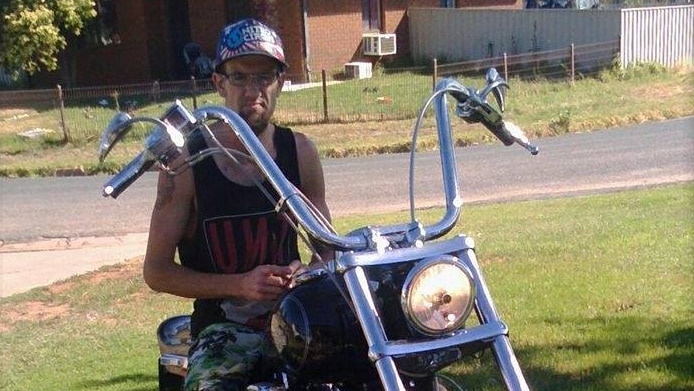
<point>262,80</point>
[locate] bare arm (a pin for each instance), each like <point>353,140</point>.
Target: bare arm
<point>313,181</point>
<point>170,222</point>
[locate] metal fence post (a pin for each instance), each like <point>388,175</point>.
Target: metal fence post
<point>325,96</point>
<point>435,73</point>
<point>622,63</point>
<point>193,92</point>
<point>505,66</point>
<point>573,63</point>
<point>63,125</point>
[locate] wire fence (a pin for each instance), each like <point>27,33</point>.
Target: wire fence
<point>80,114</point>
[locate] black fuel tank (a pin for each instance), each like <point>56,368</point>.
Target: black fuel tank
<point>317,336</point>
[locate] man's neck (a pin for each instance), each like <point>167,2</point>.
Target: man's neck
<point>265,137</point>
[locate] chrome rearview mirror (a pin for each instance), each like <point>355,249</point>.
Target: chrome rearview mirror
<point>119,126</point>
<point>163,145</point>
<point>176,122</point>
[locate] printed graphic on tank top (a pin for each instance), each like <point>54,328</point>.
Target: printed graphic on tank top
<point>237,230</point>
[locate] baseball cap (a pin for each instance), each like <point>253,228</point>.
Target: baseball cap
<point>248,36</point>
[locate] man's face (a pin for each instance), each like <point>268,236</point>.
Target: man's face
<point>250,86</point>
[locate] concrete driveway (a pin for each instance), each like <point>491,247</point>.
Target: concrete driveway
<point>25,266</point>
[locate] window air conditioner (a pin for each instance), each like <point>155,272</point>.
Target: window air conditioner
<point>358,70</point>
<point>376,44</point>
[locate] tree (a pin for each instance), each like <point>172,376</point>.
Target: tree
<point>34,33</point>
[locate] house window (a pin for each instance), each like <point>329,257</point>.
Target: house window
<point>103,30</point>
<point>447,3</point>
<point>371,15</point>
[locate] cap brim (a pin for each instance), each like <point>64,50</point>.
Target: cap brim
<point>218,62</point>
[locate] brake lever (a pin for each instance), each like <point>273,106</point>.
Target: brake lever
<point>497,86</point>
<point>499,92</point>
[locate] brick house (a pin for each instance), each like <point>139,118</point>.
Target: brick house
<point>144,39</point>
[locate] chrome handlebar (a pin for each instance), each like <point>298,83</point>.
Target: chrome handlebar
<point>289,195</point>
<point>163,146</point>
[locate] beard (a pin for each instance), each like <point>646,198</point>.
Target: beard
<point>257,129</point>
<point>257,114</point>
<point>257,124</point>
<point>257,120</point>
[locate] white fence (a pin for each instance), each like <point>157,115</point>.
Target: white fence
<point>662,35</point>
<point>658,34</point>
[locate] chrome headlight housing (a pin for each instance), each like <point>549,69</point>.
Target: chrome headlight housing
<point>438,295</point>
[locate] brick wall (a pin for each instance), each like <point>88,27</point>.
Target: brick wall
<point>127,62</point>
<point>288,23</point>
<point>333,28</point>
<point>334,34</point>
<point>396,22</point>
<point>207,18</point>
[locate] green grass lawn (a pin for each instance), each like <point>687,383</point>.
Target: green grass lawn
<point>597,292</point>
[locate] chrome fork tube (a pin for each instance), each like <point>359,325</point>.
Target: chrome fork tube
<point>359,290</point>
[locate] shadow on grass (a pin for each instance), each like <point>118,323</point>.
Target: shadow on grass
<point>123,380</point>
<point>620,353</point>
<point>616,353</point>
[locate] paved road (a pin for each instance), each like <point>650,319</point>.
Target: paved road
<point>63,226</point>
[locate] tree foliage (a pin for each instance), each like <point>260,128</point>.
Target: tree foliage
<point>34,32</point>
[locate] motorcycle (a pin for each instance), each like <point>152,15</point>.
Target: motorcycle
<point>394,308</point>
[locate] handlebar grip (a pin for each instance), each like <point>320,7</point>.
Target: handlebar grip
<point>492,120</point>
<point>116,185</point>
<point>482,112</point>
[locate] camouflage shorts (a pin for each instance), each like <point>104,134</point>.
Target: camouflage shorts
<point>222,357</point>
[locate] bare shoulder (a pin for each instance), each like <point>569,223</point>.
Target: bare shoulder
<point>172,213</point>
<point>311,173</point>
<point>310,167</point>
<point>175,189</point>
<point>304,144</point>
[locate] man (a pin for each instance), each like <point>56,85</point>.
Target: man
<point>237,255</point>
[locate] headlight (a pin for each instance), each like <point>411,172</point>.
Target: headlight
<point>438,295</point>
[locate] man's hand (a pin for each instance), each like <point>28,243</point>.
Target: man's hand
<point>299,268</point>
<point>267,282</point>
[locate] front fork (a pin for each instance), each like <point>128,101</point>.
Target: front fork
<point>491,329</point>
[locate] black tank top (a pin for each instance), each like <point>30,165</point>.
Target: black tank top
<point>238,229</point>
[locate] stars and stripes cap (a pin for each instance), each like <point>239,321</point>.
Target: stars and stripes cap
<point>246,37</point>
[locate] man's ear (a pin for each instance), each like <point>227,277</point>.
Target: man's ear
<point>280,80</point>
<point>217,80</point>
